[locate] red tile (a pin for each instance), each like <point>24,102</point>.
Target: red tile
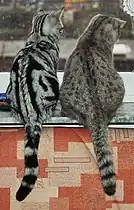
<point>62,136</point>
<point>8,147</point>
<point>126,155</point>
<point>59,204</point>
<point>89,196</point>
<point>128,178</point>
<point>4,198</point>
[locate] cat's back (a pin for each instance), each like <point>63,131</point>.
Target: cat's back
<point>85,63</point>
<point>73,70</point>
<point>75,63</point>
<point>74,88</point>
<point>89,72</point>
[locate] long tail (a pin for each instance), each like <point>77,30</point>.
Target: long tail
<point>31,161</point>
<point>104,159</point>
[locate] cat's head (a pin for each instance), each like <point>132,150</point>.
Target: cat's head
<point>106,28</point>
<point>45,24</point>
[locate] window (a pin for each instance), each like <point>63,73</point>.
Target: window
<point>15,23</point>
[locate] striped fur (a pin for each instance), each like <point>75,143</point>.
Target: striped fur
<point>33,90</point>
<point>92,90</point>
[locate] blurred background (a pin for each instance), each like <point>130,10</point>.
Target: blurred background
<point>15,24</point>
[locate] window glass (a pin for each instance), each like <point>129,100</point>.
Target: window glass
<point>15,24</point>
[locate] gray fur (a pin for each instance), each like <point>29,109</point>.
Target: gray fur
<point>33,90</point>
<point>92,90</point>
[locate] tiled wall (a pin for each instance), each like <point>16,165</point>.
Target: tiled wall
<point>68,177</point>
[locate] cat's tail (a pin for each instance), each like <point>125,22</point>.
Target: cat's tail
<point>104,159</point>
<point>31,161</point>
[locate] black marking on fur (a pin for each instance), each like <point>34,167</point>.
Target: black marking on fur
<point>33,65</point>
<point>15,68</point>
<point>108,176</point>
<point>45,88</point>
<point>55,86</point>
<point>105,164</point>
<point>22,193</point>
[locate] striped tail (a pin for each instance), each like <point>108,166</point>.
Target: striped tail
<point>31,161</point>
<point>104,159</point>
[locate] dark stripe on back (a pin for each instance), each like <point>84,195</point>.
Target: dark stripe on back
<point>43,57</point>
<point>22,88</point>
<point>15,68</point>
<point>45,45</point>
<point>33,65</point>
<point>91,79</point>
<point>52,41</point>
<point>55,86</point>
<point>45,88</point>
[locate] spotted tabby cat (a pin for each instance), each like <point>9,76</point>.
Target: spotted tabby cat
<point>92,90</point>
<point>33,90</point>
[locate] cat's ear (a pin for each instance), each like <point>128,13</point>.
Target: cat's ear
<point>122,23</point>
<point>59,13</point>
<point>40,11</point>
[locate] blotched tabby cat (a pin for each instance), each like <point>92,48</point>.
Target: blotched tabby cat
<point>92,90</point>
<point>33,90</point>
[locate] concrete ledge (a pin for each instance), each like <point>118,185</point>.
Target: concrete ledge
<point>124,116</point>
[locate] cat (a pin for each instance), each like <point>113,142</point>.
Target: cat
<point>92,90</point>
<point>33,90</point>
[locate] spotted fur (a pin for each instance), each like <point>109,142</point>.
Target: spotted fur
<point>33,90</point>
<point>92,90</point>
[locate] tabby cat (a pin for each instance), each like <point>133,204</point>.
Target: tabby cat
<point>92,90</point>
<point>33,90</point>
